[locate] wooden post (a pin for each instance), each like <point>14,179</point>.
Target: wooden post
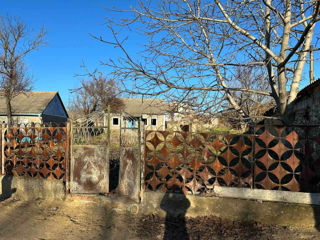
<point>120,131</point>
<point>109,124</point>
<point>104,118</point>
<point>108,143</point>
<point>70,154</point>
<point>139,155</point>
<point>3,129</point>
<point>311,70</point>
<point>68,161</point>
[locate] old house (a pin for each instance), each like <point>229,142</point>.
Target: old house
<point>305,109</point>
<point>152,113</point>
<point>35,106</point>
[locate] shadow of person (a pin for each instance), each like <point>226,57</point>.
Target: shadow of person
<point>6,185</point>
<point>175,204</point>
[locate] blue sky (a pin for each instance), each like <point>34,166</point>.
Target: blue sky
<point>68,23</point>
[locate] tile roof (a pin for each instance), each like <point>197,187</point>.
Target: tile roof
<point>137,106</point>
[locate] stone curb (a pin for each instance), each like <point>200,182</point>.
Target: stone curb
<point>268,195</point>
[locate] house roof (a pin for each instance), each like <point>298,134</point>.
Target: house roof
<point>28,102</point>
<point>308,89</point>
<point>137,106</point>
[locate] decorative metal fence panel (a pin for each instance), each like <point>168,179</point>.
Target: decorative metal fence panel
<point>278,158</point>
<point>271,157</point>
<point>197,162</point>
<point>36,151</point>
<point>89,135</point>
<point>288,158</point>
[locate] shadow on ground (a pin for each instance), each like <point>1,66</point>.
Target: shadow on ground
<point>6,184</point>
<point>175,204</point>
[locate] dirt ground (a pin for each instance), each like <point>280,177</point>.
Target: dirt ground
<point>75,219</point>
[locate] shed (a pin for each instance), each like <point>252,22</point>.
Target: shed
<point>35,106</point>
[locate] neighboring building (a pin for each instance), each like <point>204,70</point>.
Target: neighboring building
<point>192,123</point>
<point>305,109</point>
<point>37,107</point>
<point>151,111</point>
<point>183,118</point>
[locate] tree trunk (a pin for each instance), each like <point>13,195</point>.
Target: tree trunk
<point>9,112</point>
<point>282,90</point>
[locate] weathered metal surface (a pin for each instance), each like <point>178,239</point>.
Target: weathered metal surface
<point>1,155</point>
<point>272,157</point>
<point>288,158</point>
<point>36,151</point>
<point>196,162</point>
<point>90,135</point>
<point>129,178</point>
<point>90,166</point>
<point>278,154</point>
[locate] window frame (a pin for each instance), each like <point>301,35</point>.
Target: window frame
<point>113,118</point>
<point>152,119</point>
<point>145,121</point>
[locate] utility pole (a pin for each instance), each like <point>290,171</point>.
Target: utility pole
<point>311,70</point>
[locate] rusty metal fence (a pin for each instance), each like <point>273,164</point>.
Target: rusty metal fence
<point>36,151</point>
<point>268,157</point>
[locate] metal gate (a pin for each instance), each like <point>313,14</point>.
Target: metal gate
<point>89,159</point>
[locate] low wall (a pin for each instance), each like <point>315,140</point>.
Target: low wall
<point>263,211</point>
<point>26,188</point>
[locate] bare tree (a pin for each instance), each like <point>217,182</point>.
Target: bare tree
<point>94,94</point>
<point>254,105</point>
<point>16,41</point>
<point>194,48</point>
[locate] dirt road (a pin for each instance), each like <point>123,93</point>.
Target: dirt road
<point>73,219</point>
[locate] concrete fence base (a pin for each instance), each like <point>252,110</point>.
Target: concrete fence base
<point>26,188</point>
<point>268,195</point>
<point>269,212</point>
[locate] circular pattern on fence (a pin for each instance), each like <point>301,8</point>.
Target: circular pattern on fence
<point>278,158</point>
<point>196,162</point>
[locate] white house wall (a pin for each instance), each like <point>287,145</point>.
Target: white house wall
<point>160,122</point>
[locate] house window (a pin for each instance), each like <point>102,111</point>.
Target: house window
<point>115,121</point>
<point>153,122</point>
<point>145,121</point>
<point>131,123</point>
<point>185,128</point>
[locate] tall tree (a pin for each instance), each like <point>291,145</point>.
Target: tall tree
<point>16,41</point>
<point>194,47</point>
<point>94,94</point>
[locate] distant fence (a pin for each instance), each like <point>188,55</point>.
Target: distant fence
<point>268,157</point>
<point>39,151</point>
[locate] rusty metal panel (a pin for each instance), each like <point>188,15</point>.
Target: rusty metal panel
<point>197,162</point>
<point>36,151</point>
<point>129,173</point>
<point>90,169</point>
<point>278,158</point>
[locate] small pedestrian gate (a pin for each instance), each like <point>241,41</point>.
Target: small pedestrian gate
<point>89,160</point>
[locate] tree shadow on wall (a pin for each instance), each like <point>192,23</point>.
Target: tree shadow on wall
<point>175,204</point>
<point>6,184</point>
